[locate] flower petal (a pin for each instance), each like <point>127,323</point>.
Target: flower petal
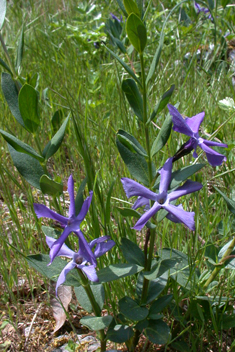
<point>183,216</point>
<point>64,251</point>
<point>188,187</point>
<point>214,144</point>
<point>56,246</point>
<point>179,124</point>
<point>133,188</point>
<point>90,272</point>
<point>102,248</point>
<point>146,216</point>
<point>71,196</point>
<point>172,217</point>
<point>42,211</point>
<point>61,279</point>
<point>140,202</point>
<point>213,157</point>
<point>85,207</point>
<point>85,249</point>
<point>194,122</point>
<point>165,173</point>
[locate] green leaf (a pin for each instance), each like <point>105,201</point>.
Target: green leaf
<point>228,322</point>
<point>136,163</point>
<point>131,7</point>
<point>50,232</point>
<point>126,212</point>
<point>54,144</point>
<point>40,263</point>
<point>117,271</point>
<point>3,8</point>
<point>57,119</point>
<point>28,105</point>
<point>27,166</point>
<point>140,6</point>
<point>131,143</point>
<point>49,186</point>
<point>136,32</point>
<point>97,323</point>
<point>211,4</point>
<point>158,306</point>
<point>83,299</point>
<point>20,146</point>
<point>162,136</point>
<point>130,309</point>
<point>230,202</point>
<point>10,93</point>
<point>155,288</point>
<point>133,96</point>
<point>125,66</point>
<point>79,197</point>
<point>158,332</point>
<point>120,4</point>
<point>107,206</point>
<point>132,253</point>
<point>3,64</point>
<point>162,102</point>
<point>157,54</point>
<point>20,49</point>
<point>120,333</point>
<point>230,263</point>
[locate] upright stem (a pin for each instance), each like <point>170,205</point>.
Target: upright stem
<point>219,266</point>
<point>95,307</point>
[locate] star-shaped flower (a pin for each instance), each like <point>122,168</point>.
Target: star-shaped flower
<point>162,200</point>
<point>70,224</point>
<point>80,259</point>
<point>190,127</point>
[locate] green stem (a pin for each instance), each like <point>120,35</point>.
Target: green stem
<point>220,265</point>
<point>9,62</point>
<point>95,306</point>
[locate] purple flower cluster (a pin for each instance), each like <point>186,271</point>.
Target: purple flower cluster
<point>190,127</point>
<point>84,259</point>
<point>163,199</point>
<point>203,9</point>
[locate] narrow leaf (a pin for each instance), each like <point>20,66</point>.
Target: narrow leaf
<point>125,66</point>
<point>230,202</point>
<point>54,144</point>
<point>134,98</point>
<point>120,4</point>
<point>136,32</point>
<point>10,93</point>
<point>49,186</point>
<point>27,166</point>
<point>131,143</point>
<point>107,206</point>
<point>20,49</point>
<point>20,146</point>
<point>3,8</point>
<point>162,136</point>
<point>28,105</point>
<point>162,102</point>
<point>3,64</point>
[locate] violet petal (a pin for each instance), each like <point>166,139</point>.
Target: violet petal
<point>147,216</point>
<point>183,216</point>
<point>133,188</point>
<point>188,187</point>
<point>42,211</point>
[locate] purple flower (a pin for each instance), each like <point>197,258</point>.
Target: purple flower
<point>70,224</point>
<point>162,200</point>
<point>116,18</point>
<point>202,9</point>
<point>80,258</point>
<point>190,127</point>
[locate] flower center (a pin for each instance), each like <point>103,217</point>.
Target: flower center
<point>79,260</point>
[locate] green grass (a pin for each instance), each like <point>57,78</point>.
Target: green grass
<point>87,82</point>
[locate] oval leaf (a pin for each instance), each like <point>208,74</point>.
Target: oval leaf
<point>162,136</point>
<point>83,299</point>
<point>97,323</point>
<point>158,332</point>
<point>136,32</point>
<point>117,271</point>
<point>132,253</point>
<point>28,105</point>
<point>120,333</point>
<point>130,309</point>
<point>131,7</point>
<point>49,186</point>
<point>134,98</point>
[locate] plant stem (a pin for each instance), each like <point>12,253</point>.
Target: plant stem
<point>95,307</point>
<point>219,266</point>
<point>9,62</point>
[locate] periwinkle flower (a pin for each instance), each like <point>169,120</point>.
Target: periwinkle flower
<point>81,259</point>
<point>205,10</point>
<point>116,18</point>
<point>190,127</point>
<point>70,223</point>
<point>163,199</point>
